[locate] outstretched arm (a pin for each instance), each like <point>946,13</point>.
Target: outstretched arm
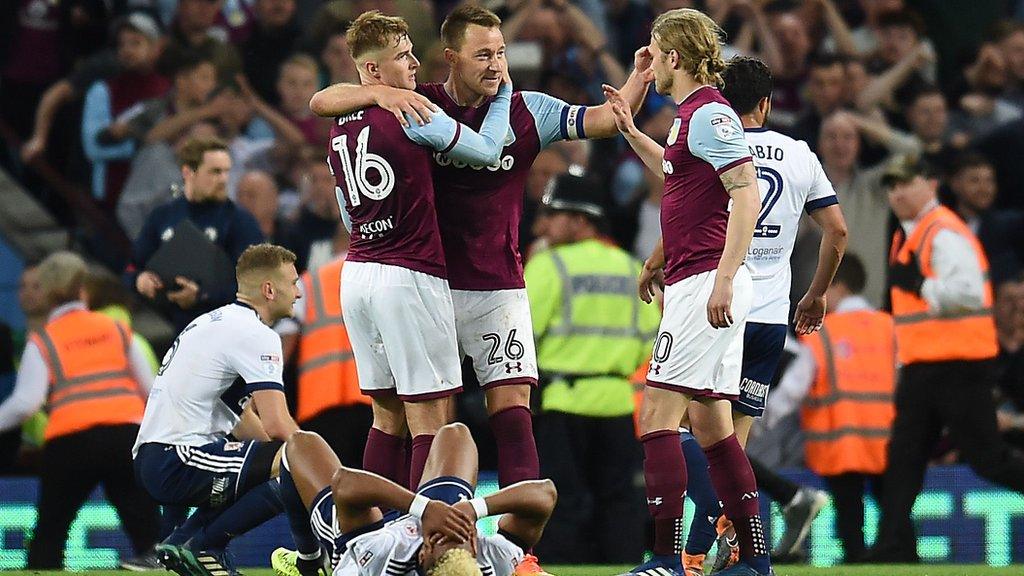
<point>526,507</point>
<point>599,121</point>
<point>461,142</point>
<point>647,149</point>
<point>341,99</point>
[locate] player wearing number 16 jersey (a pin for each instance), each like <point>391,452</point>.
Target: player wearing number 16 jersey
<point>397,304</point>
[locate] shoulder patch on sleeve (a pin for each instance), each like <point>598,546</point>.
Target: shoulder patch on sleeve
<point>724,126</point>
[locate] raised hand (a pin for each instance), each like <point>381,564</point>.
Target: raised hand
<point>620,109</point>
<point>400,102</point>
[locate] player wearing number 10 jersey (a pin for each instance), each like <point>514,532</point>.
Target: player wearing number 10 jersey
<point>398,308</point>
<point>479,208</point>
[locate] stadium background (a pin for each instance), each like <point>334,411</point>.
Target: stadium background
<point>973,52</point>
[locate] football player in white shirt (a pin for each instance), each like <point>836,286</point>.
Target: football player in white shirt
<point>371,526</point>
<point>791,182</point>
<point>216,418</point>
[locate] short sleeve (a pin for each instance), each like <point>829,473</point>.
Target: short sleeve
<point>555,120</point>
<point>715,135</point>
<point>258,361</point>
<point>820,194</point>
<point>501,554</point>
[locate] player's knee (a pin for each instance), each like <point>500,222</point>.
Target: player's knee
<point>300,443</point>
<point>456,431</point>
<point>550,492</point>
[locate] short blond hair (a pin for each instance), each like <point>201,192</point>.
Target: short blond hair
<point>455,562</point>
<point>374,30</point>
<point>259,261</point>
<point>697,40</point>
<point>61,276</point>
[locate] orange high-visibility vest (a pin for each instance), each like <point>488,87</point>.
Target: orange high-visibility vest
<point>922,336</point>
<point>639,380</point>
<point>327,369</point>
<point>849,410</point>
<point>90,380</point>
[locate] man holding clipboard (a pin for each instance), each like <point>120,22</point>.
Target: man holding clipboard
<point>184,257</point>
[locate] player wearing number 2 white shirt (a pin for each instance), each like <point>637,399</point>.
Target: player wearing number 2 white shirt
<point>397,303</point>
<point>792,182</point>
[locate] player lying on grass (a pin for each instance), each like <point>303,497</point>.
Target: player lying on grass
<point>371,526</point>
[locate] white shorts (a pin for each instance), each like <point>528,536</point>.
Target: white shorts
<point>690,355</point>
<point>495,330</point>
<point>402,328</point>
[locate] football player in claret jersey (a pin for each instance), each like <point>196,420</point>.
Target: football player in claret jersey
<point>479,208</point>
<point>397,304</point>
<point>216,420</point>
<point>791,181</point>
<point>371,526</point>
<point>708,214</point>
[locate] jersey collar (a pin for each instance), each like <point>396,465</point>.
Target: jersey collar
<point>761,129</point>
<point>244,305</point>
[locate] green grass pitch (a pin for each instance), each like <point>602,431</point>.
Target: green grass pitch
<point>926,570</point>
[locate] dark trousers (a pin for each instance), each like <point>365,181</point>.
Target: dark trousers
<point>344,428</point>
<point>931,396</point>
<point>848,499</point>
<point>596,465</point>
<point>73,465</point>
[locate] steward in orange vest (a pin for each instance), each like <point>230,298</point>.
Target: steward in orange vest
<point>848,410</point>
<point>93,378</point>
<point>946,341</point>
<point>329,400</point>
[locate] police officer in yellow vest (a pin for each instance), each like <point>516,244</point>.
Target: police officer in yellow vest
<point>93,377</point>
<point>592,333</point>
<point>946,343</point>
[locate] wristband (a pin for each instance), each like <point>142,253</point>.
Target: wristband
<point>419,505</point>
<point>480,507</point>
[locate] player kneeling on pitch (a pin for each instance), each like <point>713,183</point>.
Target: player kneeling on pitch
<point>217,417</point>
<point>371,526</point>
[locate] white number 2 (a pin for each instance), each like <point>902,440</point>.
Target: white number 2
<point>356,180</point>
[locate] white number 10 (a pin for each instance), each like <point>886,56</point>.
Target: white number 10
<point>355,176</point>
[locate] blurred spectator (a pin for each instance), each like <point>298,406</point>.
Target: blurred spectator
<point>927,115</point>
<point>166,118</point>
<point>193,30</point>
<point>257,193</point>
<point>32,301</point>
<point>1009,315</point>
<point>109,104</point>
<point>103,292</point>
<point>903,64</point>
<point>545,168</point>
<point>296,84</point>
<point>336,60</point>
<point>274,38</point>
<point>847,400</point>
<point>986,104</point>
<point>312,234</point>
<point>946,342</point>
<point>1008,41</point>
<point>31,58</point>
<point>93,377</point>
<point>826,93</point>
<point>592,334</point>
<point>204,168</point>
<point>865,37</point>
<point>786,46</point>
<point>1001,232</point>
<point>155,178</point>
<point>864,203</point>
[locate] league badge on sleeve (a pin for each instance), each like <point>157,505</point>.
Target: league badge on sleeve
<point>724,127</point>
<point>673,133</point>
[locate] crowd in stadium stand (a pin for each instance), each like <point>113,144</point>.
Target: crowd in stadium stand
<point>99,101</point>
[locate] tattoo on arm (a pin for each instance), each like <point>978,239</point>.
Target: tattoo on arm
<point>735,182</point>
